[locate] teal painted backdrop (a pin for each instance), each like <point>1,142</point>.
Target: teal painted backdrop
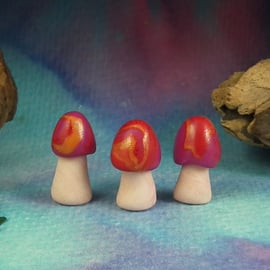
<point>114,61</point>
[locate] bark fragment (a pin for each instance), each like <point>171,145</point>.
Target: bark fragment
<point>243,101</point>
<point>8,93</point>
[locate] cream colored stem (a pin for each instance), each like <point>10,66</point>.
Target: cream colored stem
<point>193,185</point>
<point>71,185</point>
<point>137,191</point>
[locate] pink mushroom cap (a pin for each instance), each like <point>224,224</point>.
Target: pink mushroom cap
<point>73,136</point>
<point>197,143</point>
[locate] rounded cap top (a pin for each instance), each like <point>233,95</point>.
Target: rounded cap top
<point>73,136</point>
<point>197,143</point>
<point>135,147</point>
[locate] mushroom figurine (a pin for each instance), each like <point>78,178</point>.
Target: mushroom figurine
<point>72,140</point>
<point>197,148</point>
<point>136,152</point>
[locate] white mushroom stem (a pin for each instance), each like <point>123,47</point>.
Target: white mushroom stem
<point>137,191</point>
<point>193,185</point>
<point>71,185</point>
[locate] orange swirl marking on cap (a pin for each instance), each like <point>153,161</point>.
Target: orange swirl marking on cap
<point>70,135</point>
<point>198,137</point>
<point>128,150</point>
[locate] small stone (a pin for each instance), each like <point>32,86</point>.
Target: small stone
<point>2,220</point>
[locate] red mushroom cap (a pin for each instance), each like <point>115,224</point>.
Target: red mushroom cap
<point>73,136</point>
<point>135,147</point>
<point>197,143</point>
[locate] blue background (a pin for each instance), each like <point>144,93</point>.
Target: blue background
<point>114,61</point>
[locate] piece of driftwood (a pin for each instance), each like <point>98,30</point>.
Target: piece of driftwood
<point>243,101</point>
<point>8,93</point>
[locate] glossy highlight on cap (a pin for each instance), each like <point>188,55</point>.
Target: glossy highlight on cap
<point>73,136</point>
<point>135,147</point>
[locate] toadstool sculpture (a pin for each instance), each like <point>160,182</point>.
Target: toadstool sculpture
<point>197,148</point>
<point>72,140</point>
<point>136,152</point>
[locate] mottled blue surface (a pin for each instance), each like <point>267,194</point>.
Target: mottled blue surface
<point>157,60</point>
